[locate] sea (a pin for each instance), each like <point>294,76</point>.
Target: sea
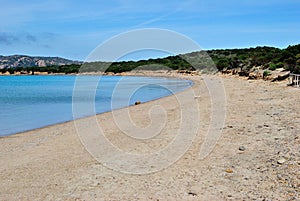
<point>31,102</point>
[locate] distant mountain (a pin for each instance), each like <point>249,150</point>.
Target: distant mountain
<point>15,61</point>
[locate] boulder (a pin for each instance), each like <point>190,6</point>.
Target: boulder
<point>254,76</point>
<point>281,75</point>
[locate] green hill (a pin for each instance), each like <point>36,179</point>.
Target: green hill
<point>244,59</point>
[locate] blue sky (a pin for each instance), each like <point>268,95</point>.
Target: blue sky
<point>72,29</point>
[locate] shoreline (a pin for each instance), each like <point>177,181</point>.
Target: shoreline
<point>136,74</point>
<point>148,73</point>
<point>51,163</point>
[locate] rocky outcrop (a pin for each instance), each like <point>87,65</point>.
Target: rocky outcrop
<point>282,76</point>
<point>27,61</point>
<point>260,73</point>
<point>277,75</point>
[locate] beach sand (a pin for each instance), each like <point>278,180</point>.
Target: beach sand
<point>257,156</point>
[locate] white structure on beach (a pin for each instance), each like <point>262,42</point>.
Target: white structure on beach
<point>295,80</point>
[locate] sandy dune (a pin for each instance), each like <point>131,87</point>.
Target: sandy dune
<point>257,156</point>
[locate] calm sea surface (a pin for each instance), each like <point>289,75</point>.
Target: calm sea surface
<point>29,102</point>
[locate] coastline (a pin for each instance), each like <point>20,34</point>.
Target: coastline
<point>51,163</point>
<point>148,73</point>
<point>145,74</point>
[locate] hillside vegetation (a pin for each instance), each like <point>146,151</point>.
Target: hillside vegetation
<point>269,58</point>
<point>265,57</point>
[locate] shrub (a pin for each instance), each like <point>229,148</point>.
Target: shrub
<point>272,66</point>
<point>279,65</point>
<point>266,73</point>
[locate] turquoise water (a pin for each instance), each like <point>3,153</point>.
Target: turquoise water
<point>30,102</point>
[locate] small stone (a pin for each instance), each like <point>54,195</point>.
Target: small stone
<point>229,171</point>
<point>192,194</point>
<point>137,102</point>
<point>242,148</point>
<point>281,161</point>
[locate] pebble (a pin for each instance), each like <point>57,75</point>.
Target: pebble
<point>229,171</point>
<point>193,194</point>
<point>137,102</point>
<point>281,161</point>
<point>242,148</point>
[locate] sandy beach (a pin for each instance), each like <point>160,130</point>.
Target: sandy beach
<point>257,156</point>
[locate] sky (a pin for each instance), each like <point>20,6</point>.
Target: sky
<point>72,29</point>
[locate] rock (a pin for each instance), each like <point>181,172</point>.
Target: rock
<point>109,73</point>
<point>242,148</point>
<point>254,76</point>
<point>281,161</point>
<point>283,75</point>
<point>280,75</point>
<point>137,102</point>
<point>229,171</point>
<point>225,71</point>
<point>15,61</point>
<point>192,194</point>
<point>236,71</point>
<point>272,77</point>
<point>40,63</point>
<point>184,71</point>
<point>243,73</point>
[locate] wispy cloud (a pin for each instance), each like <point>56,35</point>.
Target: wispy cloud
<point>68,26</point>
<point>30,38</point>
<point>7,39</point>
